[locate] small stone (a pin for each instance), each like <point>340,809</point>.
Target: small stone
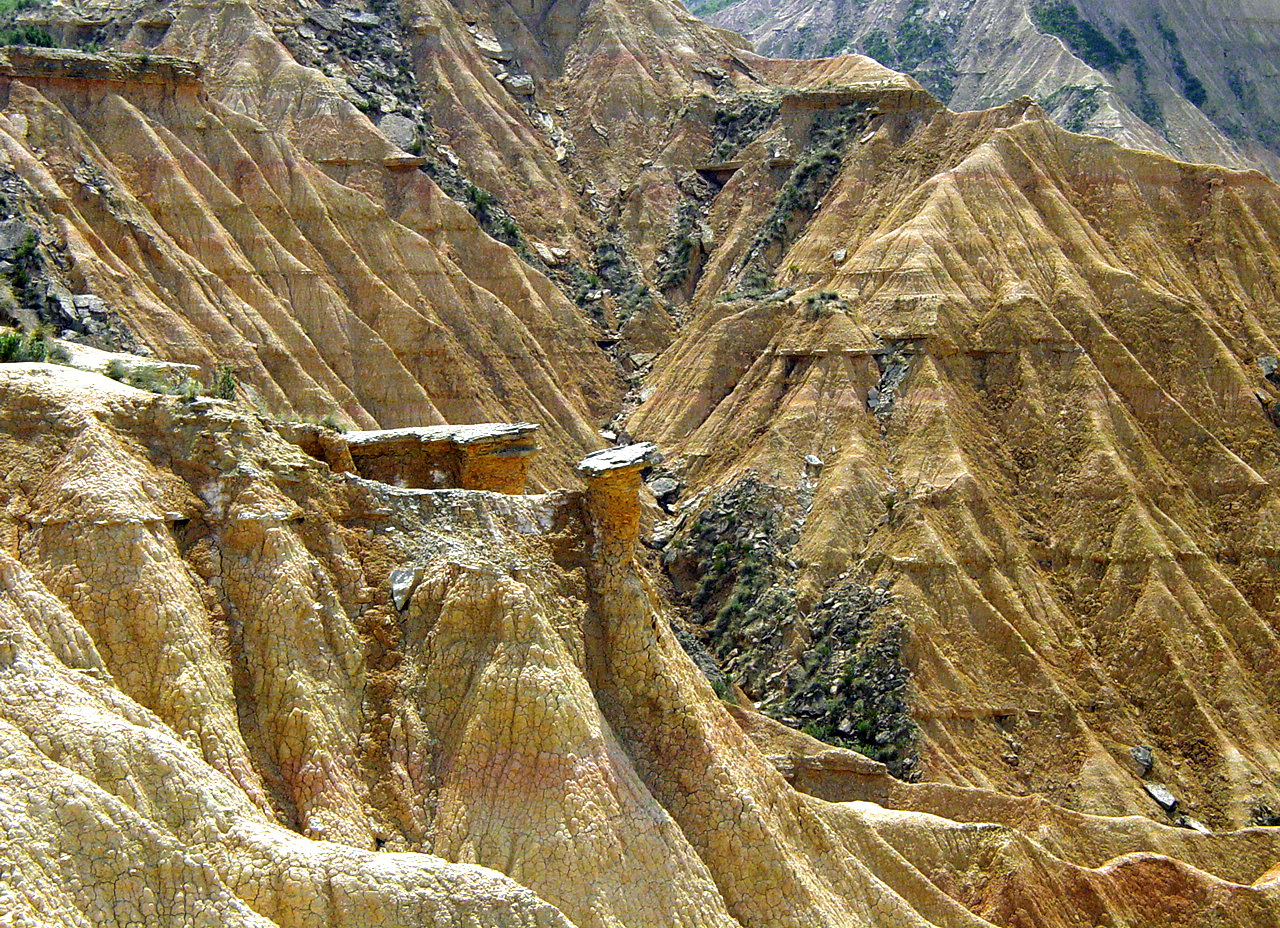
<point>326,19</point>
<point>364,20</point>
<point>491,48</point>
<point>1186,821</point>
<point>1143,757</point>
<point>545,254</point>
<point>665,488</point>
<point>521,85</point>
<point>399,130</point>
<point>404,580</point>
<point>1163,798</point>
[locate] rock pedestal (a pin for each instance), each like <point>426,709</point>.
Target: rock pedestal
<point>613,494</point>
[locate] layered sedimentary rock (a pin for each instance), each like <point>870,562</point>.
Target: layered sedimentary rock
<point>215,242</point>
<point>969,457</point>
<point>1187,79</point>
<point>1031,367</point>
<point>215,712</point>
<point>491,456</point>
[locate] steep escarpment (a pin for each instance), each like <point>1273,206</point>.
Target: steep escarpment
<point>1015,379</point>
<point>240,687</point>
<point>1177,77</point>
<point>213,241</point>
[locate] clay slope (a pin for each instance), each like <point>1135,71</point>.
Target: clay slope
<point>1183,78</point>
<point>1029,369</point>
<point>215,241</point>
<point>216,712</point>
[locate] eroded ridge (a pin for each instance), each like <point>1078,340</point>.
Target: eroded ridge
<point>240,687</point>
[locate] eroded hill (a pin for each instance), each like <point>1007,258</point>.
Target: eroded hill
<point>243,686</point>
<point>969,467</point>
<point>1187,79</point>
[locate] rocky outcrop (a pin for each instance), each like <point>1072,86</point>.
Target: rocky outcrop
<point>1001,381</point>
<point>1051,489</point>
<point>214,241</point>
<point>492,456</point>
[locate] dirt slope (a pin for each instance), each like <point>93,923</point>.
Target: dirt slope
<point>1028,363</point>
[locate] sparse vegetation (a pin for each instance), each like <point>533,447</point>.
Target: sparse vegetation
<point>850,689</point>
<point>223,386</point>
<point>332,422</point>
<point>1081,104</point>
<point>824,304</point>
<point>815,169</point>
<point>707,8</point>
<point>677,249</point>
<point>876,45</point>
<point>616,273</point>
<point>32,36</point>
<point>1146,105</point>
<point>36,346</point>
<point>1061,18</point>
<point>485,208</point>
<point>167,381</point>
<point>1192,88</point>
<point>740,120</point>
<point>755,284</point>
<point>921,46</point>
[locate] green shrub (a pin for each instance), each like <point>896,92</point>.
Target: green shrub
<point>1060,18</point>
<point>332,422</point>
<point>35,346</point>
<point>1192,89</point>
<point>1081,102</point>
<point>677,249</point>
<point>27,35</point>
<point>740,120</point>
<point>876,45</point>
<point>147,377</point>
<point>224,383</point>
<point>26,248</point>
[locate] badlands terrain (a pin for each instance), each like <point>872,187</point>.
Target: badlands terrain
<point>546,464</point>
<point>1189,78</point>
